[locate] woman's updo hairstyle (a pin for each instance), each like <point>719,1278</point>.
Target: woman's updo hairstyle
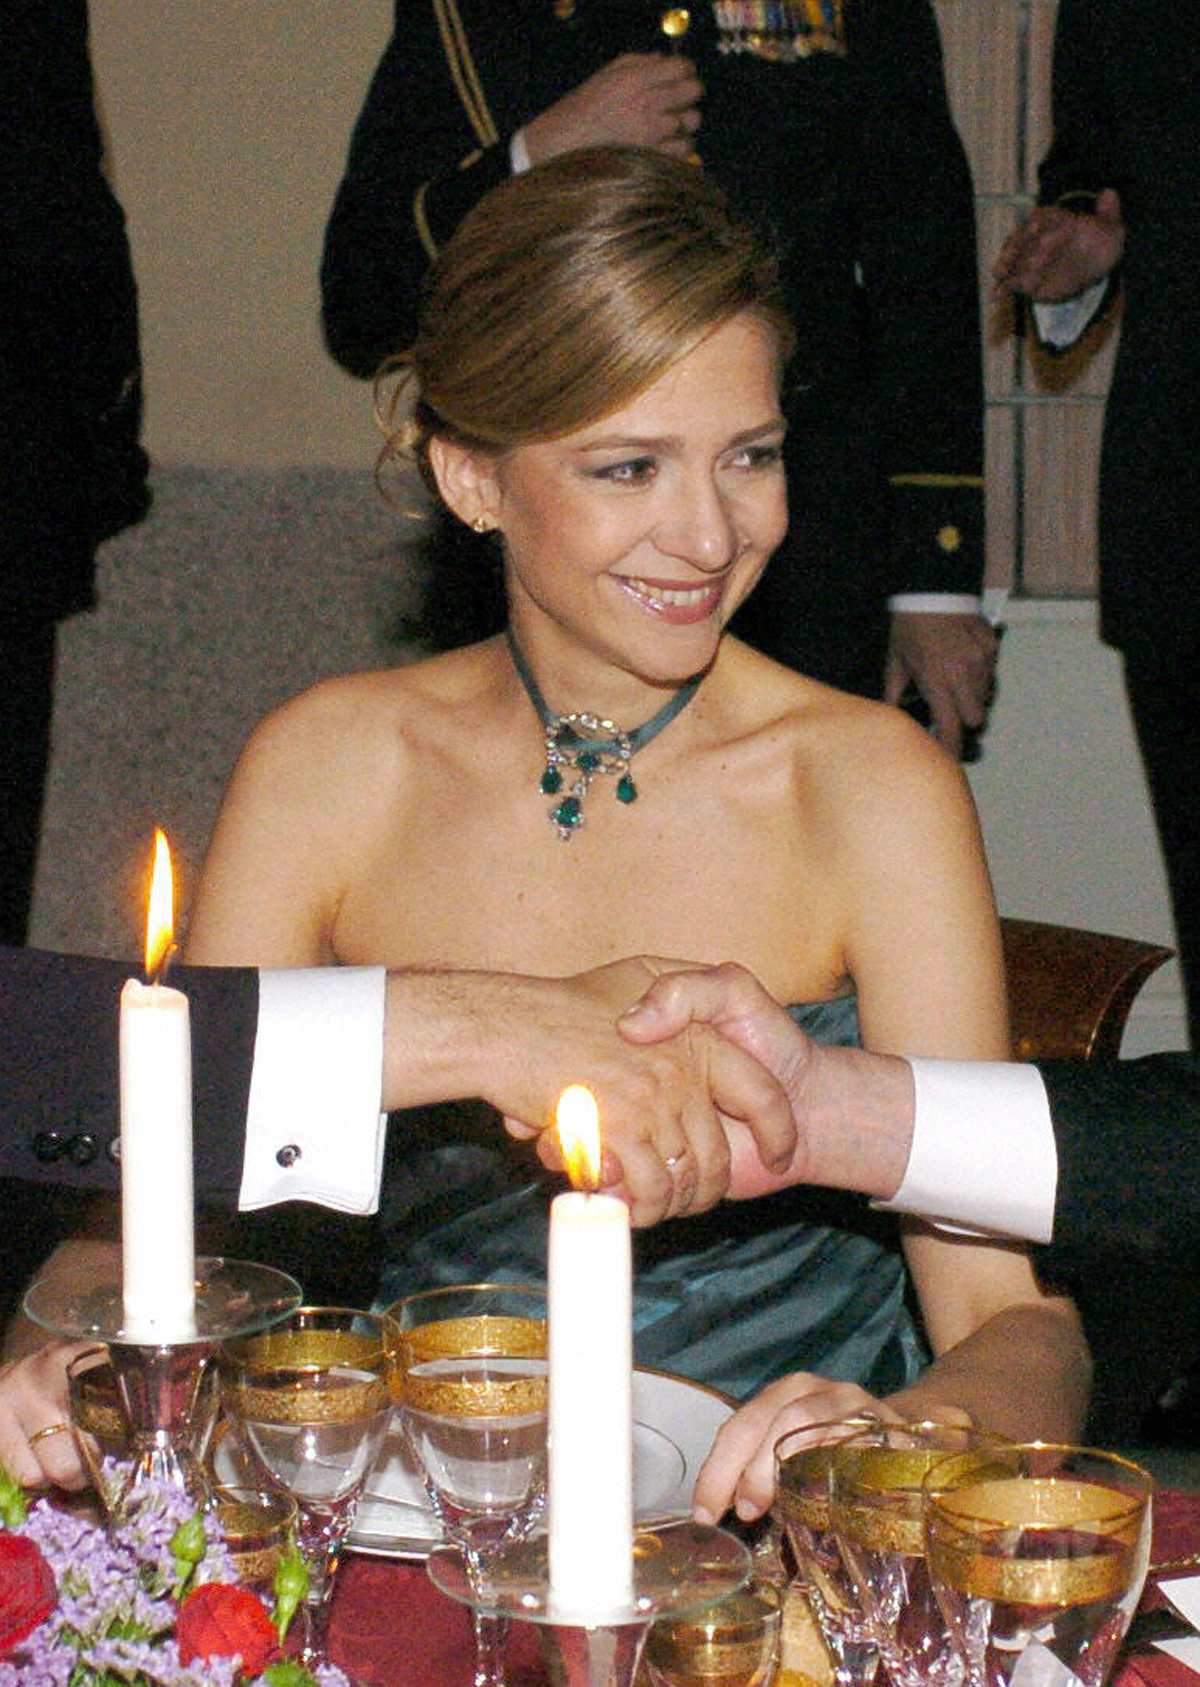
<point>568,289</point>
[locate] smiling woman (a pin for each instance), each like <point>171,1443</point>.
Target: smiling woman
<point>597,377</point>
<point>636,538</point>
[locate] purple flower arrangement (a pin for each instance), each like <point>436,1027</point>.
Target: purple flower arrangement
<point>118,1598</point>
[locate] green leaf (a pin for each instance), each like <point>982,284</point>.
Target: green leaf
<point>287,1673</point>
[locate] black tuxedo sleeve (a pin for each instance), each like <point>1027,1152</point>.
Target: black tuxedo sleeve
<point>419,159</point>
<point>1084,156</point>
<point>1128,1136</point>
<point>59,1114</point>
<point>917,216</point>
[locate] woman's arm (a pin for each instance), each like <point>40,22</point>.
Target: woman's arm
<point>923,948</point>
<point>925,951</point>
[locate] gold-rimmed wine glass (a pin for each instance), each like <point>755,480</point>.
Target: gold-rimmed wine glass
<point>99,1421</point>
<point>97,1409</point>
<point>310,1399</point>
<point>733,1643</point>
<point>876,1510</point>
<point>473,1395</point>
<point>1038,1559</point>
<point>257,1525</point>
<point>801,1507</point>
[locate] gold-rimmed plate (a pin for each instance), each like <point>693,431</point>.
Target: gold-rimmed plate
<point>674,1425</point>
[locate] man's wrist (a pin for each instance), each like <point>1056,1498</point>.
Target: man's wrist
<point>855,1112</point>
<point>437,1044</point>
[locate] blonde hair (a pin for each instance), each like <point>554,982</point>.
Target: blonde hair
<point>567,290</point>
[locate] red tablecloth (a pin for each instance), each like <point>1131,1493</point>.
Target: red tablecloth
<point>1176,1535</point>
<point>391,1628</point>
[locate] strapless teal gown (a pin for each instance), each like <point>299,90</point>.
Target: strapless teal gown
<point>806,1280</point>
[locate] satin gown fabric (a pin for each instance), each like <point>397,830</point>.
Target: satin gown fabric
<point>803,1280</point>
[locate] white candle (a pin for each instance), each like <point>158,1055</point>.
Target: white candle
<point>158,1250</point>
<point>591,1404</point>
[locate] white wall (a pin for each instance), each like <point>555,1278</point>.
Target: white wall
<point>1063,801</point>
<point>228,125</point>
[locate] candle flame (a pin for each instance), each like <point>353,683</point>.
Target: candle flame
<point>160,912</point>
<point>577,1119</point>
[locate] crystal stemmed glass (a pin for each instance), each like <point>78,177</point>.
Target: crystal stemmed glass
<point>734,1643</point>
<point>1038,1560</point>
<point>802,1461</point>
<point>876,1509</point>
<point>311,1398</point>
<point>473,1405</point>
<point>97,1409</point>
<point>256,1526</point>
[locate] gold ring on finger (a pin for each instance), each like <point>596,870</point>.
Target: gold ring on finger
<point>47,1430</point>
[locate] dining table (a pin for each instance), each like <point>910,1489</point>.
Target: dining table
<point>390,1627</point>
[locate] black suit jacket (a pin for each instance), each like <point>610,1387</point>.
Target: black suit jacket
<point>1127,116</point>
<point>71,469</point>
<point>853,163</point>
<point>1128,1132</point>
<point>1128,1135</point>
<point>59,1116</point>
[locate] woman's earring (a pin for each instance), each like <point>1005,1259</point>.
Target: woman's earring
<point>481,524</point>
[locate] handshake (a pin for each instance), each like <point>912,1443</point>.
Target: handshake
<point>707,1089</point>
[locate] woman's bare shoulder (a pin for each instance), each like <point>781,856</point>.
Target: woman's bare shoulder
<point>836,730</point>
<point>359,717</point>
<point>863,768</point>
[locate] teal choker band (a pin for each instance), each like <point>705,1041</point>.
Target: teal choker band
<point>580,746</point>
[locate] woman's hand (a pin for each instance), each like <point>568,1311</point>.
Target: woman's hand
<point>740,1469</point>
<point>37,1444</point>
<point>1057,253</point>
<point>662,1106</point>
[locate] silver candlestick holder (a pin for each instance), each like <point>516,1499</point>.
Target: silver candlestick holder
<point>678,1569</point>
<point>160,1383</point>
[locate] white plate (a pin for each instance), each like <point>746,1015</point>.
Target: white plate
<point>674,1425</point>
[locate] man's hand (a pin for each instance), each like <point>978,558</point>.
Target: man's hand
<point>1057,253</point>
<point>662,1107</point>
<point>638,99</point>
<point>951,659</point>
<point>853,1111</point>
<point>734,1004</point>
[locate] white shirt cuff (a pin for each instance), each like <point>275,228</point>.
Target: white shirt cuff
<point>983,1153</point>
<point>518,154</point>
<point>314,1131</point>
<point>1061,323</point>
<point>935,603</point>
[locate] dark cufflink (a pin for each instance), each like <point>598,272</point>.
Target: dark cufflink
<point>47,1146</point>
<point>288,1155</point>
<point>82,1149</point>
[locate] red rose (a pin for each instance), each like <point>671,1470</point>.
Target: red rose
<point>27,1590</point>
<point>219,1621</point>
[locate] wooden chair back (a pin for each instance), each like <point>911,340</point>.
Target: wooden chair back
<point>1070,991</point>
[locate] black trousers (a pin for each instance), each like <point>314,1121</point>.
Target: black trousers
<point>29,1216</point>
<point>26,701</point>
<point>1163,686</point>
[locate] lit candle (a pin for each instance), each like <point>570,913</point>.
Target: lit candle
<point>591,1380</point>
<point>158,1249</point>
